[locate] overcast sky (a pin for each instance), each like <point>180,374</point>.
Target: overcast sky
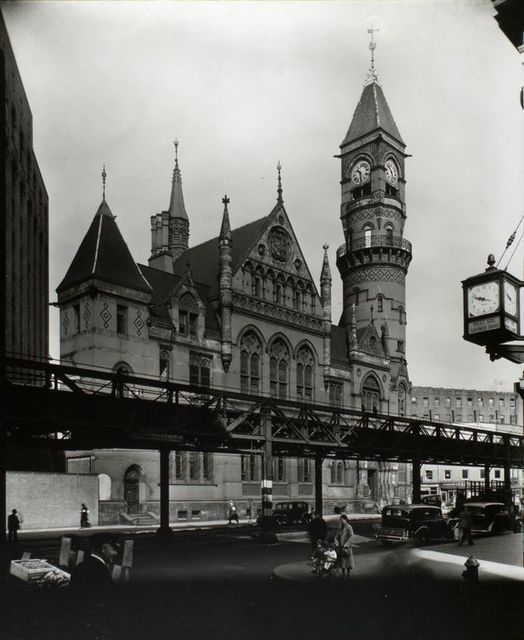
<point>243,85</point>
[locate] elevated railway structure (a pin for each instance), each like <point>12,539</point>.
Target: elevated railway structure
<point>65,407</point>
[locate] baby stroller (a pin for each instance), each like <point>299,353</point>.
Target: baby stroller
<point>329,567</point>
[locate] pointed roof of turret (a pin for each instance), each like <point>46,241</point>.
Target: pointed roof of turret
<point>326,271</point>
<point>372,113</point>
<point>225,229</point>
<point>104,254</point>
<point>177,208</point>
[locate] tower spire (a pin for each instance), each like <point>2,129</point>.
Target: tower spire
<point>279,189</point>
<point>372,73</point>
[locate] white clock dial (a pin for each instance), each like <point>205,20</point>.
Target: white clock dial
<point>391,172</point>
<point>483,299</point>
<point>360,172</point>
<point>510,298</point>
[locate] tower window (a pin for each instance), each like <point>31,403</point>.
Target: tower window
<point>380,304</point>
<point>76,318</point>
<point>121,319</point>
<point>361,192</point>
<point>391,191</point>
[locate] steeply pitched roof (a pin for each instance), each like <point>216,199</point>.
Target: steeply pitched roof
<point>372,113</point>
<point>204,257</point>
<point>104,254</point>
<point>177,208</point>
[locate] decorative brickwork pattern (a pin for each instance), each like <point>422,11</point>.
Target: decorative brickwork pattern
<point>106,316</point>
<point>139,323</point>
<point>386,274</point>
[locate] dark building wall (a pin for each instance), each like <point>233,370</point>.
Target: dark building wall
<point>24,210</point>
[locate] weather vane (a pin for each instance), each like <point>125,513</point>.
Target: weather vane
<point>104,175</point>
<point>372,74</point>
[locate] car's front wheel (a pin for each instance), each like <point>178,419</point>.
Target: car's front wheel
<point>422,537</point>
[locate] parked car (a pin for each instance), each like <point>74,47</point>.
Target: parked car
<point>488,517</point>
<point>419,522</point>
<point>291,512</point>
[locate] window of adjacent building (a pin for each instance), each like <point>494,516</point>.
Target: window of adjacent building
<point>199,371</point>
<point>436,417</point>
<point>512,403</point>
<point>513,419</point>
<point>305,368</point>
<point>482,474</point>
<point>481,401</point>
<point>180,470</point>
<point>304,470</point>
<point>497,473</point>
<point>250,363</point>
<point>429,475</point>
<point>76,318</point>
<point>470,402</point>
<point>501,403</point>
<point>437,402</point>
<point>481,418</point>
<point>458,402</point>
<point>279,470</point>
<point>458,417</point>
<point>194,465</point>
<point>425,402</point>
<point>413,400</point>
<point>248,468</point>
<point>448,402</point>
<point>491,402</point>
<point>187,315</point>
<point>121,319</point>
<point>447,474</point>
<point>465,474</point>
<point>207,466</point>
<point>278,369</point>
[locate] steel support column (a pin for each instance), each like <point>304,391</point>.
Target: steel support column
<point>164,528</point>
<point>3,497</point>
<point>507,474</point>
<point>318,483</point>
<point>267,471</point>
<point>487,485</point>
<point>415,466</point>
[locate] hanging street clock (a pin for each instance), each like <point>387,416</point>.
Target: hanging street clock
<point>491,306</point>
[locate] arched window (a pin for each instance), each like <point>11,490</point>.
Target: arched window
<point>402,400</point>
<point>163,365</point>
<point>333,472</point>
<point>401,315</point>
<point>380,304</point>
<point>132,489</point>
<point>199,371</point>
<point>278,369</point>
<point>194,465</point>
<point>368,229</point>
<point>250,363</point>
<point>104,487</point>
<point>187,315</point>
<point>370,395</point>
<point>389,234</point>
<point>305,373</point>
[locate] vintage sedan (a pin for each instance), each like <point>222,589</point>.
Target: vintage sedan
<point>419,522</point>
<point>488,517</point>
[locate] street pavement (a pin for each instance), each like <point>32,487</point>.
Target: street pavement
<point>222,582</point>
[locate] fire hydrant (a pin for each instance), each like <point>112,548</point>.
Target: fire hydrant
<point>471,574</point>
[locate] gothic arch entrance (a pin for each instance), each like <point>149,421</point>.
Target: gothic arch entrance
<point>132,489</point>
<point>370,395</point>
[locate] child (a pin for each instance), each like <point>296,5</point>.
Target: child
<point>318,557</point>
<point>330,558</point>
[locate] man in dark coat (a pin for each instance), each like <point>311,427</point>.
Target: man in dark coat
<point>93,574</point>
<point>317,529</point>
<point>13,524</point>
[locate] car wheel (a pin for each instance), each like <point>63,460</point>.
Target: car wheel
<point>422,538</point>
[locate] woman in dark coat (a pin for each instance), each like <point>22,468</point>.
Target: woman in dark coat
<point>343,539</point>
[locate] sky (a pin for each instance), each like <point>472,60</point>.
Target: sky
<point>243,85</point>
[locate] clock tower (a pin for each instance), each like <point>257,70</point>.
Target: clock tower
<point>373,260</point>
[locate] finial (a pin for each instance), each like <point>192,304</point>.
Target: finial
<point>325,247</point>
<point>176,150</point>
<point>225,201</point>
<point>491,262</point>
<point>372,74</point>
<point>279,190</point>
<point>104,175</point>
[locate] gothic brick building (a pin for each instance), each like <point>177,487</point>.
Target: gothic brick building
<point>243,311</point>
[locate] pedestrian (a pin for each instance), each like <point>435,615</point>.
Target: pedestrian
<point>343,539</point>
<point>317,529</point>
<point>13,524</point>
<point>93,574</point>
<point>84,519</point>
<point>465,522</point>
<point>233,512</point>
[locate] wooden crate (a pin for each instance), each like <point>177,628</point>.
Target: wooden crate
<point>31,570</point>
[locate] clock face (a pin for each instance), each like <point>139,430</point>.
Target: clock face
<point>391,172</point>
<point>483,299</point>
<point>510,298</point>
<point>360,172</point>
